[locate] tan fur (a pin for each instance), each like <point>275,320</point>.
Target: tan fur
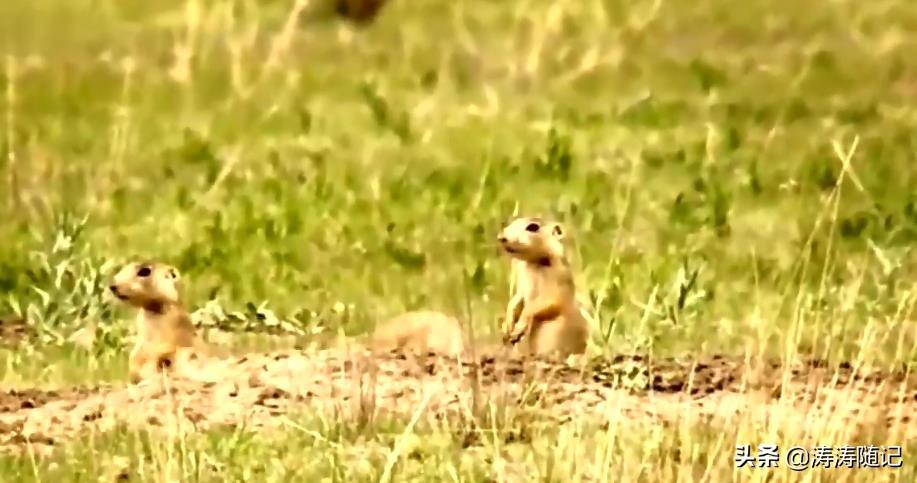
<point>166,338</point>
<point>420,332</point>
<point>542,306</point>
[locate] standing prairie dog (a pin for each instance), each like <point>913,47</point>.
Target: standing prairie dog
<point>543,306</point>
<point>165,334</point>
<point>420,332</point>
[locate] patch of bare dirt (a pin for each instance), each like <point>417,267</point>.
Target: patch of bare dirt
<point>14,400</point>
<point>259,389</point>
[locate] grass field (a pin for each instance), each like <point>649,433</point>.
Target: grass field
<point>738,179</point>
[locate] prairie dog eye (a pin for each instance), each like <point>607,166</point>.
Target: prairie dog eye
<point>532,227</point>
<point>144,271</point>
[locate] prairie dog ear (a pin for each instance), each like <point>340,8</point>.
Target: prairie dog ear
<point>173,273</point>
<point>558,231</point>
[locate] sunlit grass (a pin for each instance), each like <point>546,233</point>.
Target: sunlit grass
<point>737,179</point>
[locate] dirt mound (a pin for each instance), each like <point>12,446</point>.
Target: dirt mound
<point>258,390</point>
<point>14,400</point>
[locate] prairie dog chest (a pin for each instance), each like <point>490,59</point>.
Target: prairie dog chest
<point>533,281</point>
<point>150,325</point>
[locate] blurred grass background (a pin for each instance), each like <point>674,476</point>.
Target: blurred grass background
<point>284,158</point>
<point>736,177</point>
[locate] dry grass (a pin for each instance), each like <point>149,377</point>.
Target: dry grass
<point>739,181</point>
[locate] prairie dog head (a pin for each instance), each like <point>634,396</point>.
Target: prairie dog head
<point>147,284</point>
<point>533,239</point>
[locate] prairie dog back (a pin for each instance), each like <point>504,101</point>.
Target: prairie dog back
<point>421,331</point>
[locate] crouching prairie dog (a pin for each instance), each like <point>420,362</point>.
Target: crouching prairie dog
<point>543,308</point>
<point>421,332</point>
<point>166,338</point>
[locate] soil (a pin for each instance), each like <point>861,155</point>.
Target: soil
<point>259,390</point>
